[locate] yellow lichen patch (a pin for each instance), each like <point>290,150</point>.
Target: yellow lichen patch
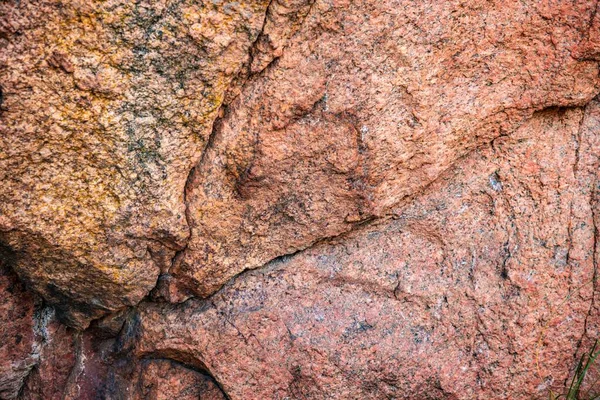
<point>109,104</point>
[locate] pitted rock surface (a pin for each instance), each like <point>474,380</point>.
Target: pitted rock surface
<point>370,102</point>
<point>480,288</point>
<point>298,199</point>
<point>106,107</point>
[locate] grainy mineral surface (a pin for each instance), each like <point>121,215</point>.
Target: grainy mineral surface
<point>298,199</point>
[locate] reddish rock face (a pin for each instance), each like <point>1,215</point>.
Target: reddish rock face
<point>479,288</point>
<point>18,353</point>
<point>164,380</point>
<point>50,378</point>
<point>106,106</point>
<point>332,113</point>
<point>298,199</point>
<point>368,103</point>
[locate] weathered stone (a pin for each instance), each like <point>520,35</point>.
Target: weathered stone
<point>369,102</point>
<point>57,359</point>
<point>37,352</point>
<point>415,183</point>
<point>18,353</point>
<point>72,365</point>
<point>479,288</point>
<point>158,379</point>
<point>106,106</point>
<point>89,379</point>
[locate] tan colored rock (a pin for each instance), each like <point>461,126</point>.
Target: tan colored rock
<point>482,287</point>
<point>415,183</point>
<point>106,106</point>
<point>369,102</point>
<point>284,18</point>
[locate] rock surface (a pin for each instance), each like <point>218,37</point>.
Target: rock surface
<point>157,379</point>
<point>480,288</point>
<point>106,107</point>
<point>370,102</point>
<point>298,199</point>
<point>17,350</point>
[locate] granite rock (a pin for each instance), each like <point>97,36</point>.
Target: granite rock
<point>482,287</point>
<point>369,102</point>
<point>18,352</point>
<point>106,106</point>
<point>298,199</point>
<point>163,379</point>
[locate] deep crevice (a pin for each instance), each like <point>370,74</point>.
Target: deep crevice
<point>221,114</point>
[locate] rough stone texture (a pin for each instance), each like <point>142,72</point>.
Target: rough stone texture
<point>106,107</point>
<point>165,380</point>
<point>40,358</point>
<point>37,352</point>
<point>51,375</point>
<point>480,288</point>
<point>17,337</point>
<point>370,102</point>
<point>413,183</point>
<point>338,111</point>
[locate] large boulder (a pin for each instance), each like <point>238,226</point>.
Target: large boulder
<point>370,102</point>
<point>298,199</point>
<point>482,287</point>
<point>106,106</point>
<point>332,112</point>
